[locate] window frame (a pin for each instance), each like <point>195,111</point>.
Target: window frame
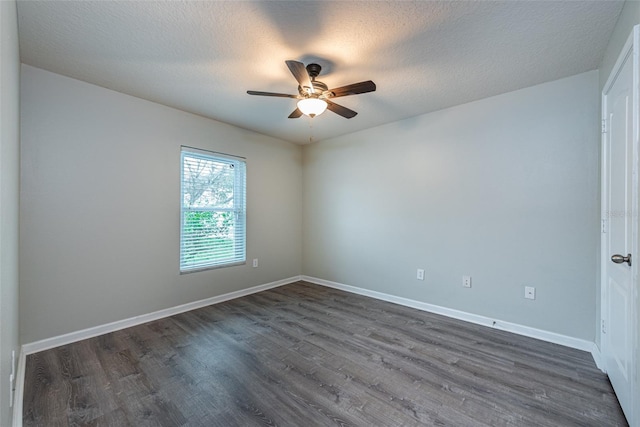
<point>239,208</point>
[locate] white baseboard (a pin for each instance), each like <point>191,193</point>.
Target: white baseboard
<point>597,357</point>
<point>95,331</point>
<point>527,331</point>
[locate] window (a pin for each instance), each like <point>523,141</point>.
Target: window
<point>213,215</point>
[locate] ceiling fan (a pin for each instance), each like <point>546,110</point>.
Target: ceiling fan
<point>314,96</point>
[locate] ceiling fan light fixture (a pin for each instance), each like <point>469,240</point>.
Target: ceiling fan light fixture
<point>312,106</point>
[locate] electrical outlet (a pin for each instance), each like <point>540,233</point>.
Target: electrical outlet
<point>466,281</point>
<point>420,274</point>
<point>255,262</point>
<point>529,292</point>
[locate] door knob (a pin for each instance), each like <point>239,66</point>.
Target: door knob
<point>619,259</point>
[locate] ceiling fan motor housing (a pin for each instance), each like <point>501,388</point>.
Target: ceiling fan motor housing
<point>319,88</point>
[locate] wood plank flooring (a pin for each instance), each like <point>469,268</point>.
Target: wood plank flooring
<point>306,355</point>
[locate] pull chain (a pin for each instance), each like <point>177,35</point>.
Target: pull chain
<point>310,130</point>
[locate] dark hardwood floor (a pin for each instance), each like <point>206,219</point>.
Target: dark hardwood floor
<point>306,355</point>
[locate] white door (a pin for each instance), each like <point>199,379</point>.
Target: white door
<point>620,221</point>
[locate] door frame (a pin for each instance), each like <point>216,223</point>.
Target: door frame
<point>631,47</point>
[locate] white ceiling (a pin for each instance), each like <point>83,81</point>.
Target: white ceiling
<point>202,56</point>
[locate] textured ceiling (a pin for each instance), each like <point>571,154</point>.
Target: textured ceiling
<point>202,56</point>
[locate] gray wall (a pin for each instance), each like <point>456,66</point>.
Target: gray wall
<point>504,189</point>
<point>100,206</point>
<point>9,192</point>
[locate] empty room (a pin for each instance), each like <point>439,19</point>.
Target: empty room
<point>319,213</point>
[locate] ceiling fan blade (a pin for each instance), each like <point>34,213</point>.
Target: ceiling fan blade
<point>340,110</point>
<point>353,89</point>
<point>300,73</point>
<point>296,113</point>
<point>281,95</point>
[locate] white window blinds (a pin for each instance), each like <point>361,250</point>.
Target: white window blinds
<point>213,214</point>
